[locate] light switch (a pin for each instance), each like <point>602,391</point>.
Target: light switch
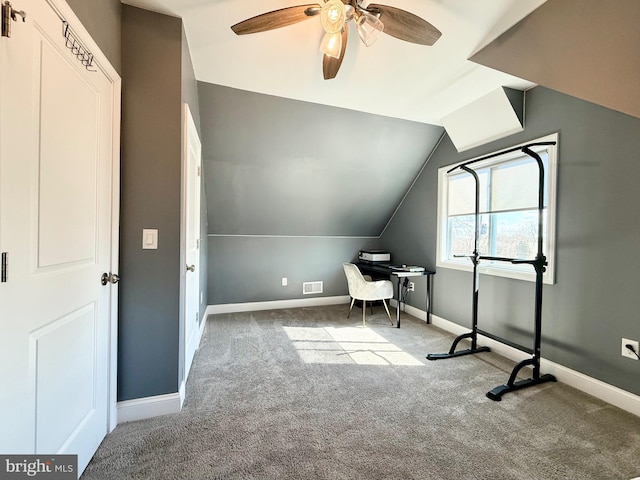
<point>149,239</point>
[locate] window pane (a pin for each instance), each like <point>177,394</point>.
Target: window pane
<point>514,186</point>
<point>515,234</point>
<point>462,193</point>
<point>462,232</point>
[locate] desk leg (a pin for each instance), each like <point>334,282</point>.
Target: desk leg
<point>398,304</point>
<point>400,300</point>
<point>428,299</point>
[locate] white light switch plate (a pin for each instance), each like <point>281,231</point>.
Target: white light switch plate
<point>149,239</point>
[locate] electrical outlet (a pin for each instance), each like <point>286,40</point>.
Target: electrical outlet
<point>285,282</point>
<point>412,287</point>
<point>628,353</point>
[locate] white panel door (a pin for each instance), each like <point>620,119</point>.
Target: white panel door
<point>191,214</point>
<point>56,160</point>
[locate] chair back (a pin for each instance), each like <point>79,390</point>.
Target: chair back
<point>355,280</point>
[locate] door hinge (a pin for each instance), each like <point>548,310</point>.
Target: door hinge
<point>8,14</point>
<point>198,170</point>
<point>3,274</point>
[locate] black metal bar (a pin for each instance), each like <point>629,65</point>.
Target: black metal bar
<point>401,297</point>
<point>429,299</point>
<point>475,259</point>
<point>3,268</point>
<point>505,341</point>
<point>497,392</point>
<point>504,259</point>
<point>493,155</point>
<point>452,351</point>
<point>518,367</point>
<point>539,264</point>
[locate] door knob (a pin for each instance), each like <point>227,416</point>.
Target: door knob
<point>191,268</point>
<point>109,278</point>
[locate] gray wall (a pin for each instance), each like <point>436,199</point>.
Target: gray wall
<point>250,269</point>
<point>103,21</point>
<point>148,354</point>
<point>151,53</point>
<point>294,189</point>
<point>594,302</point>
<point>284,167</point>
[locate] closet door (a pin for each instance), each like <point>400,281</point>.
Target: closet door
<point>191,233</point>
<point>56,159</point>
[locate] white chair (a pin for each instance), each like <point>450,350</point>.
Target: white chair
<point>364,290</point>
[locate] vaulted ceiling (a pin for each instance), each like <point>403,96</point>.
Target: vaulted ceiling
<point>286,152</point>
<point>283,166</point>
<point>391,78</point>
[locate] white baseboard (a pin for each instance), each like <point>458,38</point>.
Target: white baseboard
<point>276,304</point>
<point>147,407</point>
<point>183,392</point>
<point>192,347</point>
<point>608,393</point>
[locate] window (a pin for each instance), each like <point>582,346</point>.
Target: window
<point>508,208</point>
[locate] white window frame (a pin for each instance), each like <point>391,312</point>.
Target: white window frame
<point>503,269</point>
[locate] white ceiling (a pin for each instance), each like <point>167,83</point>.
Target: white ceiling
<point>391,78</point>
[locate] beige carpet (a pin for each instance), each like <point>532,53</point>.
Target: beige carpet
<point>307,394</point>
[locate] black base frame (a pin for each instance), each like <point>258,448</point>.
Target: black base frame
<point>539,263</point>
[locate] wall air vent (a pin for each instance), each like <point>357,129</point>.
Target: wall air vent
<point>309,288</point>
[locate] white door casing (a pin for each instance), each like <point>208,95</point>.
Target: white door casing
<point>59,188</point>
<point>191,236</point>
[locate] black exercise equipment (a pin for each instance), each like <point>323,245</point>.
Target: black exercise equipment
<point>539,263</point>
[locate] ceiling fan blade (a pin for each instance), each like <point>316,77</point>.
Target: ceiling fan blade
<point>406,26</point>
<point>276,19</point>
<point>331,65</point>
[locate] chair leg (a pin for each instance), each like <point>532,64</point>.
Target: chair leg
<point>371,307</point>
<point>364,312</point>
<point>387,309</point>
<point>352,302</point>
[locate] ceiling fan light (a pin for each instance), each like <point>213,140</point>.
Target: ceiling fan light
<point>349,12</point>
<point>369,28</point>
<point>331,44</point>
<point>333,16</point>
